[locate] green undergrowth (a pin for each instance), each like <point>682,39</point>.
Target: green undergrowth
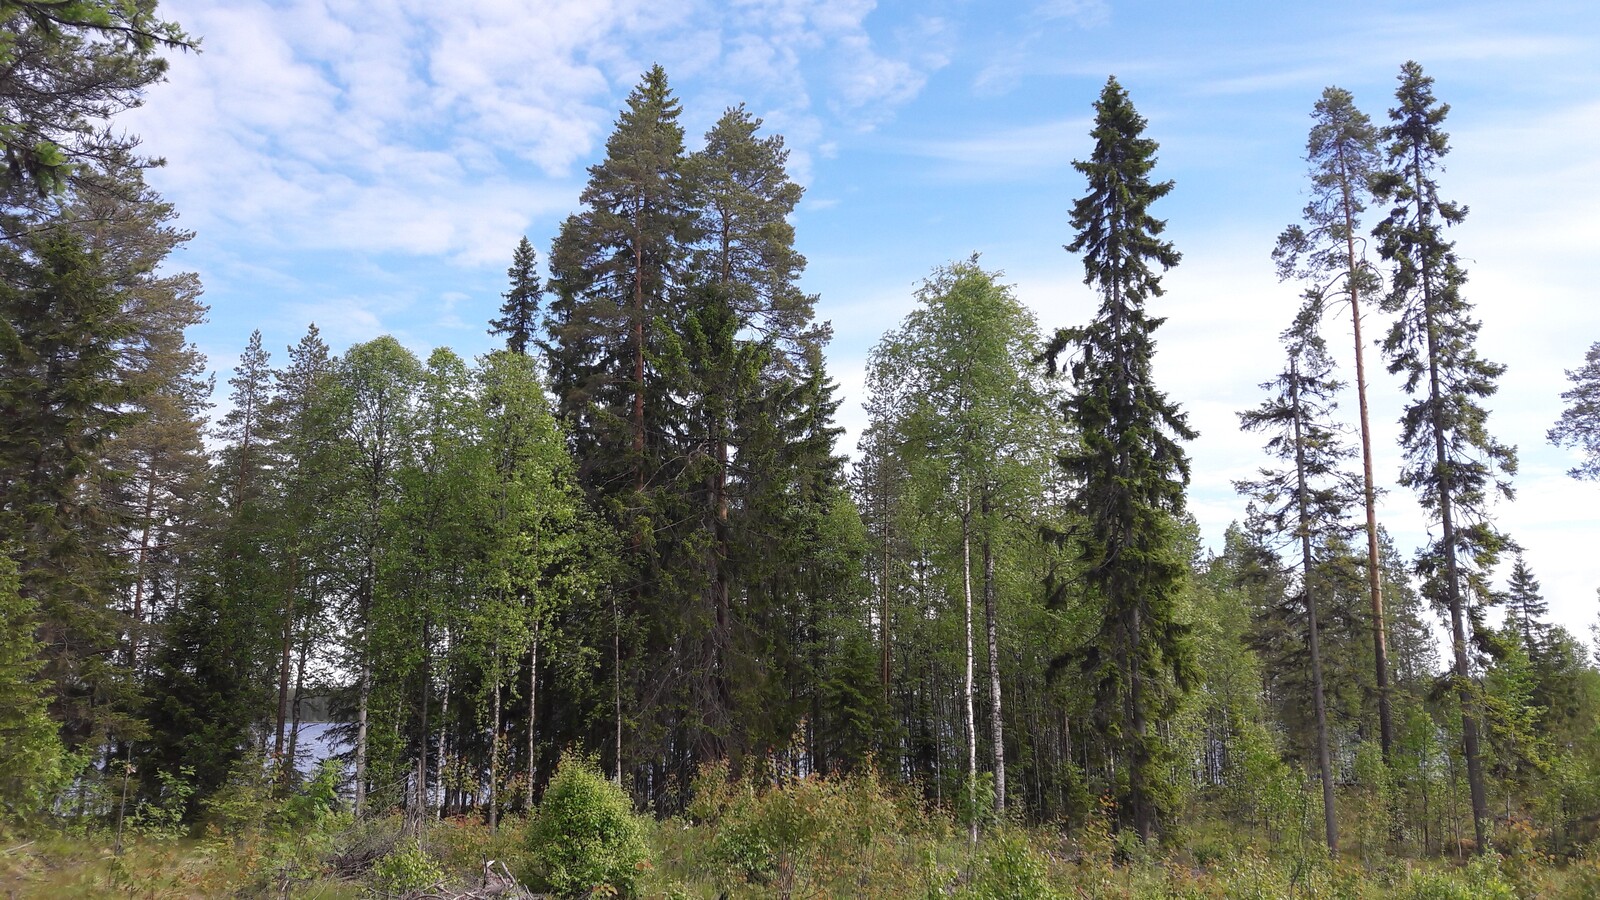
<point>849,836</point>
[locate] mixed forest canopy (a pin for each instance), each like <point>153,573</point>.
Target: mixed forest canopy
<point>631,529</point>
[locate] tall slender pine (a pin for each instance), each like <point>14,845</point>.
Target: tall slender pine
<point>1327,252</point>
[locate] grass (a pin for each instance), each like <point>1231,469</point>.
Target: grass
<point>813,838</point>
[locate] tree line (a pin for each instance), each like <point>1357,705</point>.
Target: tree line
<point>630,529</point>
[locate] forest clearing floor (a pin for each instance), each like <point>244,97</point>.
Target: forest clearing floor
<point>811,838</point>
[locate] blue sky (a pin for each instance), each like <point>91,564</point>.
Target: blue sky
<point>370,166</point>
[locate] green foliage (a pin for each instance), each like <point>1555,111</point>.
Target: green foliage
<point>1479,880</point>
<point>813,835</point>
<point>404,870</point>
<point>585,833</point>
<point>33,765</point>
<point>1127,465</point>
<point>1009,868</point>
<point>160,817</point>
<point>1579,425</point>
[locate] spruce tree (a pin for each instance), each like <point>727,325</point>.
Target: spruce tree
<point>1128,468</point>
<point>1526,607</point>
<point>1451,460</point>
<point>63,402</point>
<point>1579,425</point>
<point>519,313</point>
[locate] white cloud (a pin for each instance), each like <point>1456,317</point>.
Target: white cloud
<point>443,129</point>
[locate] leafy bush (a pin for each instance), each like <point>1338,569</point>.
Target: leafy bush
<point>1479,880</point>
<point>818,837</point>
<point>585,834</point>
<point>407,868</point>
<point>1010,869</point>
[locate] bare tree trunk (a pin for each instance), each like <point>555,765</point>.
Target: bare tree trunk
<point>616,685</point>
<point>361,733</point>
<point>533,707</point>
<point>299,695</point>
<point>494,748</point>
<point>283,663</point>
<point>421,815</point>
<point>444,737</point>
<point>996,722</point>
<point>966,691</point>
<point>1380,642</point>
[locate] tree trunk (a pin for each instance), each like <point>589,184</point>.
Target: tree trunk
<point>444,736</point>
<point>996,722</point>
<point>494,749</point>
<point>365,695</point>
<point>139,569</point>
<point>283,663</point>
<point>533,694</point>
<point>1144,814</point>
<point>966,691</point>
<point>294,705</point>
<point>616,683</point>
<point>1380,643</point>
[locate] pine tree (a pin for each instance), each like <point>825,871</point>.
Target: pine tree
<point>613,268</point>
<point>1128,466</point>
<point>1306,499</point>
<point>1327,251</point>
<point>1579,425</point>
<point>744,199</point>
<point>1451,460</point>
<point>69,67</point>
<point>519,313</point>
<point>304,421</point>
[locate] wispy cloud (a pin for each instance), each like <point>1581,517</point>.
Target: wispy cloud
<point>1004,153</point>
<point>444,129</point>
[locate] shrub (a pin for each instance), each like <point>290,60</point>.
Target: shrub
<point>585,834</point>
<point>817,836</point>
<point>405,869</point>
<point>1010,869</point>
<point>1478,880</point>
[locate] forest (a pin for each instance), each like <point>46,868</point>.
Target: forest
<point>609,611</point>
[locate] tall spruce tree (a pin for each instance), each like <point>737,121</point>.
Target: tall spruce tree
<point>1451,459</point>
<point>1328,251</point>
<point>63,402</point>
<point>1128,468</point>
<point>519,314</point>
